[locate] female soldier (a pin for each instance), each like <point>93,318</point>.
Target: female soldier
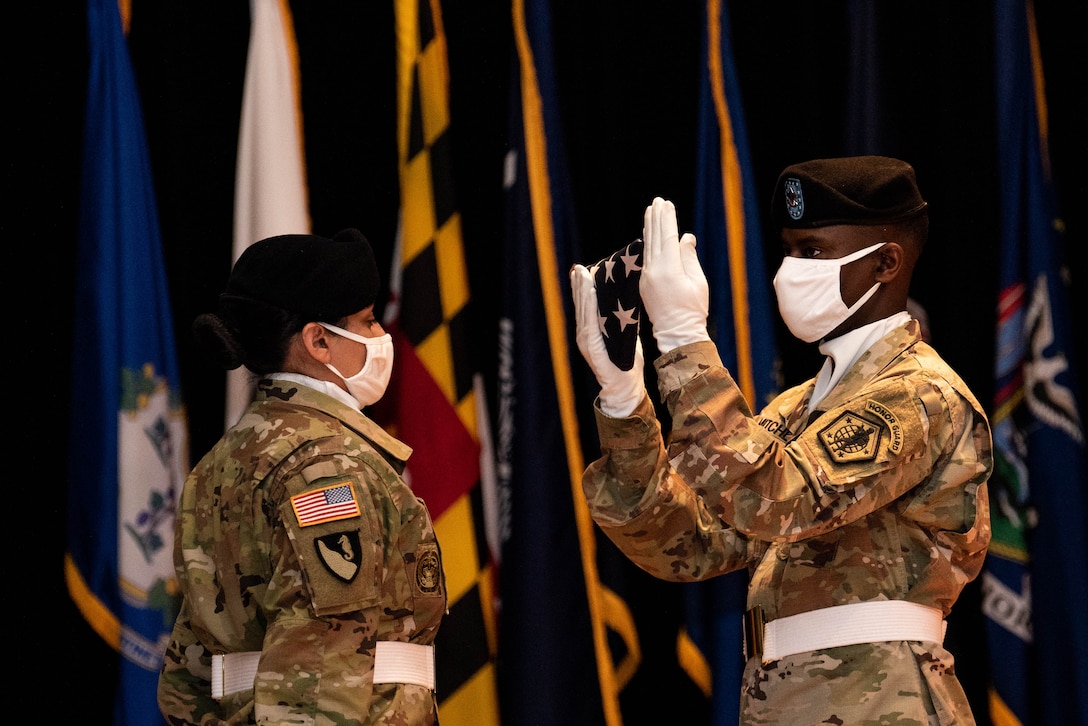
<point>311,578</point>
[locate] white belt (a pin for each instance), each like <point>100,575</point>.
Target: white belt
<point>876,621</point>
<point>394,662</point>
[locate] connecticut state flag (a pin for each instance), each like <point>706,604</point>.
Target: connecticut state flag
<point>128,448</point>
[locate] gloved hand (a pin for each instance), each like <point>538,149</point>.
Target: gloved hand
<point>621,391</point>
<point>673,287</point>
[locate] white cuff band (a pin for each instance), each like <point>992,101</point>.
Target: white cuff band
<point>234,672</point>
<point>397,662</point>
<point>394,662</point>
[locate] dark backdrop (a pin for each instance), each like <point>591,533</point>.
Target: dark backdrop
<point>627,76</point>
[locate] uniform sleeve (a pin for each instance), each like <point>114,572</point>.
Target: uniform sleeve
<point>184,686</point>
<point>322,602</point>
<point>849,462</point>
<point>655,517</point>
<point>185,680</point>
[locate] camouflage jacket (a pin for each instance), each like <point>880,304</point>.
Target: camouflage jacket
<point>296,536</point>
<point>878,495</point>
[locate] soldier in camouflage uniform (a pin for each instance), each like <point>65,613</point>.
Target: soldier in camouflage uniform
<point>857,500</point>
<point>312,581</point>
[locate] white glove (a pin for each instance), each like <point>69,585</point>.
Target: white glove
<point>673,287</point>
<point>621,391</point>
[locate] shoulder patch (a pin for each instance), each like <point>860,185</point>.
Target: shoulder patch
<point>851,437</point>
<point>340,553</point>
<point>428,576</point>
<point>327,504</point>
<point>891,421</point>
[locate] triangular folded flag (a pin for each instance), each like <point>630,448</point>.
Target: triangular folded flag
<point>618,303</point>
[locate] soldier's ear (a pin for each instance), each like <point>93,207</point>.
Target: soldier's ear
<point>892,262</point>
<point>315,340</point>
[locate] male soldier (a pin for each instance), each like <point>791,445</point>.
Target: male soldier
<point>857,500</point>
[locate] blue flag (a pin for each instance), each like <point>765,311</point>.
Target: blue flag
<point>741,323</point>
<point>567,643</point>
<point>1035,583</point>
<point>129,442</point>
<point>545,658</point>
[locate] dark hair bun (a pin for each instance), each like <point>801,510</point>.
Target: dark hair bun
<point>217,341</point>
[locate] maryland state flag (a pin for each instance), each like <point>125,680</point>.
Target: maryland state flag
<point>433,402</point>
<point>128,446</point>
<point>1035,581</point>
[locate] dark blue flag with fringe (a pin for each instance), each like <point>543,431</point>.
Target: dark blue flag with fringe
<point>546,660</point>
<point>741,322</point>
<point>569,649</point>
<point>1035,581</point>
<point>128,450</point>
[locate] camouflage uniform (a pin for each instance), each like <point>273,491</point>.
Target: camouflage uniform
<point>314,598</point>
<point>878,495</point>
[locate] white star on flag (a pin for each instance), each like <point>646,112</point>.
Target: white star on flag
<point>626,317</point>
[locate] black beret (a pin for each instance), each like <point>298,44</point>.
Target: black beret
<point>618,302</point>
<point>860,190</point>
<point>320,278</point>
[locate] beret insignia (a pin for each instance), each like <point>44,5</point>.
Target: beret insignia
<point>795,200</point>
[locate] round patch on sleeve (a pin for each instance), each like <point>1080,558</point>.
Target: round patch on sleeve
<point>427,577</point>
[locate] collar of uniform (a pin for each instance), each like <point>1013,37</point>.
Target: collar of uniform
<point>843,351</point>
<point>313,394</point>
<point>327,387</point>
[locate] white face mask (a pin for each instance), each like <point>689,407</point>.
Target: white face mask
<point>808,294</point>
<point>368,385</point>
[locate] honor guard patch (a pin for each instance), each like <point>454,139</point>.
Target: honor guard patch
<point>340,553</point>
<point>327,504</point>
<point>851,437</point>
<point>891,422</point>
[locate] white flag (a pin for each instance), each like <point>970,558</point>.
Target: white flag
<point>270,195</point>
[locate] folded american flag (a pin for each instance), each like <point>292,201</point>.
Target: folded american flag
<point>619,306</point>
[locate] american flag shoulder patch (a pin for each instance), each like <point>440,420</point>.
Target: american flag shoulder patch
<point>326,504</point>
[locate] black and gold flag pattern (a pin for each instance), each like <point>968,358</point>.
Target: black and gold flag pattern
<point>433,401</point>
